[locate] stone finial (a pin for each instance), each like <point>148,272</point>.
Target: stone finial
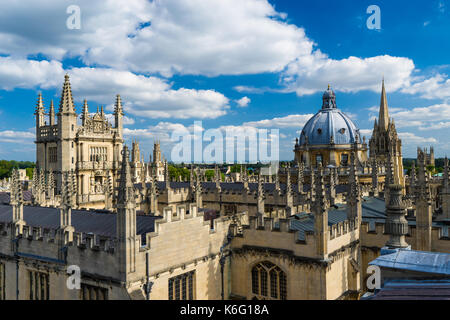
<point>126,188</point>
<point>319,191</point>
<point>300,173</point>
<point>374,176</point>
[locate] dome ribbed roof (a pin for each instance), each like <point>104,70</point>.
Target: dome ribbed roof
<point>329,125</point>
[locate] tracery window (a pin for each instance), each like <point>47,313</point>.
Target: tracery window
<point>268,281</point>
<point>38,285</point>
<point>182,287</point>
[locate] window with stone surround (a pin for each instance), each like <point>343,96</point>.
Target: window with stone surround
<point>268,281</point>
<point>38,285</point>
<point>90,292</point>
<point>52,154</point>
<point>182,287</point>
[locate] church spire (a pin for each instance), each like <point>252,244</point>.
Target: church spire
<point>383,116</point>
<point>85,112</point>
<point>66,104</point>
<point>51,113</point>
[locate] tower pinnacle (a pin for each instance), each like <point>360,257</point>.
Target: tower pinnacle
<point>66,104</point>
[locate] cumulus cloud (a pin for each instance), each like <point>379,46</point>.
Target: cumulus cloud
<point>435,87</point>
<point>170,36</point>
<point>426,118</point>
<point>143,96</point>
<point>310,74</point>
<point>290,121</point>
<point>243,102</point>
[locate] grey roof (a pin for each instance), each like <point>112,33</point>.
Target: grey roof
<point>420,261</point>
<point>413,290</point>
<point>85,221</point>
<point>304,222</point>
<point>5,197</point>
<point>234,186</point>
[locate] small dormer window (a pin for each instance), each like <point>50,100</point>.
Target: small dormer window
<point>319,131</point>
<point>342,130</point>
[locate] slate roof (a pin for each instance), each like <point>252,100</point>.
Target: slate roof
<point>234,186</point>
<point>413,290</point>
<point>99,223</point>
<point>4,196</point>
<point>304,222</point>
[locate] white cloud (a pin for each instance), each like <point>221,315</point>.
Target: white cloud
<point>11,136</point>
<point>424,117</point>
<point>312,73</point>
<point>143,96</point>
<point>171,36</point>
<point>243,102</point>
<point>290,121</point>
<point>436,87</point>
<point>411,138</point>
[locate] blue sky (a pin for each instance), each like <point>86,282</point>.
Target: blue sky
<point>229,63</point>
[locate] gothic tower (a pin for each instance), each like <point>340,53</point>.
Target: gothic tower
<point>384,143</point>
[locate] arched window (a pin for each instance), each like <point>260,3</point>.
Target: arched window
<point>268,281</point>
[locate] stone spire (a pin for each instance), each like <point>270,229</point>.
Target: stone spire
<point>374,177</point>
<point>354,194</point>
<point>320,210</point>
<point>51,114</point>
<point>423,206</point>
<point>289,196</point>
<point>332,189</point>
<point>198,190</point>
<point>126,220</point>
<point>260,194</point>
<point>217,177</point>
<point>126,188</point>
<point>66,104</point>
<point>118,115</point>
<point>154,196</point>
<point>383,116</point>
<point>300,172</point>
<point>65,210</point>
<point>109,193</point>
<point>16,201</point>
<point>51,186</point>
<point>312,184</point>
<point>244,178</point>
<point>84,112</point>
<point>396,224</point>
<point>191,178</point>
<point>40,112</point>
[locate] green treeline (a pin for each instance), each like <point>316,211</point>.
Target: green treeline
<point>6,167</point>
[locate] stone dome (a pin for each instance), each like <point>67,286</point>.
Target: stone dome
<point>329,125</point>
